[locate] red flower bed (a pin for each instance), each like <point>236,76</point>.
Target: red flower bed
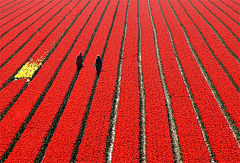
<point>224,145</point>
<point>6,2</point>
<point>73,114</point>
<point>232,4</point>
<point>15,9</point>
<point>10,5</point>
<point>8,93</point>
<point>24,16</point>
<point>223,17</point>
<point>11,48</point>
<point>15,117</point>
<point>24,26</point>
<point>229,8</point>
<point>158,146</point>
<point>11,67</point>
<point>127,127</point>
<point>192,144</point>
<point>227,36</point>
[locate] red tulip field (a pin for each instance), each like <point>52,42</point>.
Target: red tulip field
<point>168,90</point>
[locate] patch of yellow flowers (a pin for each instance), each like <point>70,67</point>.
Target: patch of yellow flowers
<point>28,69</point>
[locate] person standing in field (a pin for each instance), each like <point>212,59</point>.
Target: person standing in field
<point>98,64</point>
<point>79,61</point>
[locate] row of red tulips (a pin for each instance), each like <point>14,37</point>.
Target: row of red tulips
<point>233,4</point>
<point>230,64</point>
<point>225,14</point>
<point>220,27</point>
<point>228,7</point>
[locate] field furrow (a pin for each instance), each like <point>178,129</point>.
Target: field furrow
<point>115,99</point>
<point>142,109</point>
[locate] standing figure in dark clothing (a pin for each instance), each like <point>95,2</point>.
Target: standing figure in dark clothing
<point>79,61</point>
<point>98,64</point>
